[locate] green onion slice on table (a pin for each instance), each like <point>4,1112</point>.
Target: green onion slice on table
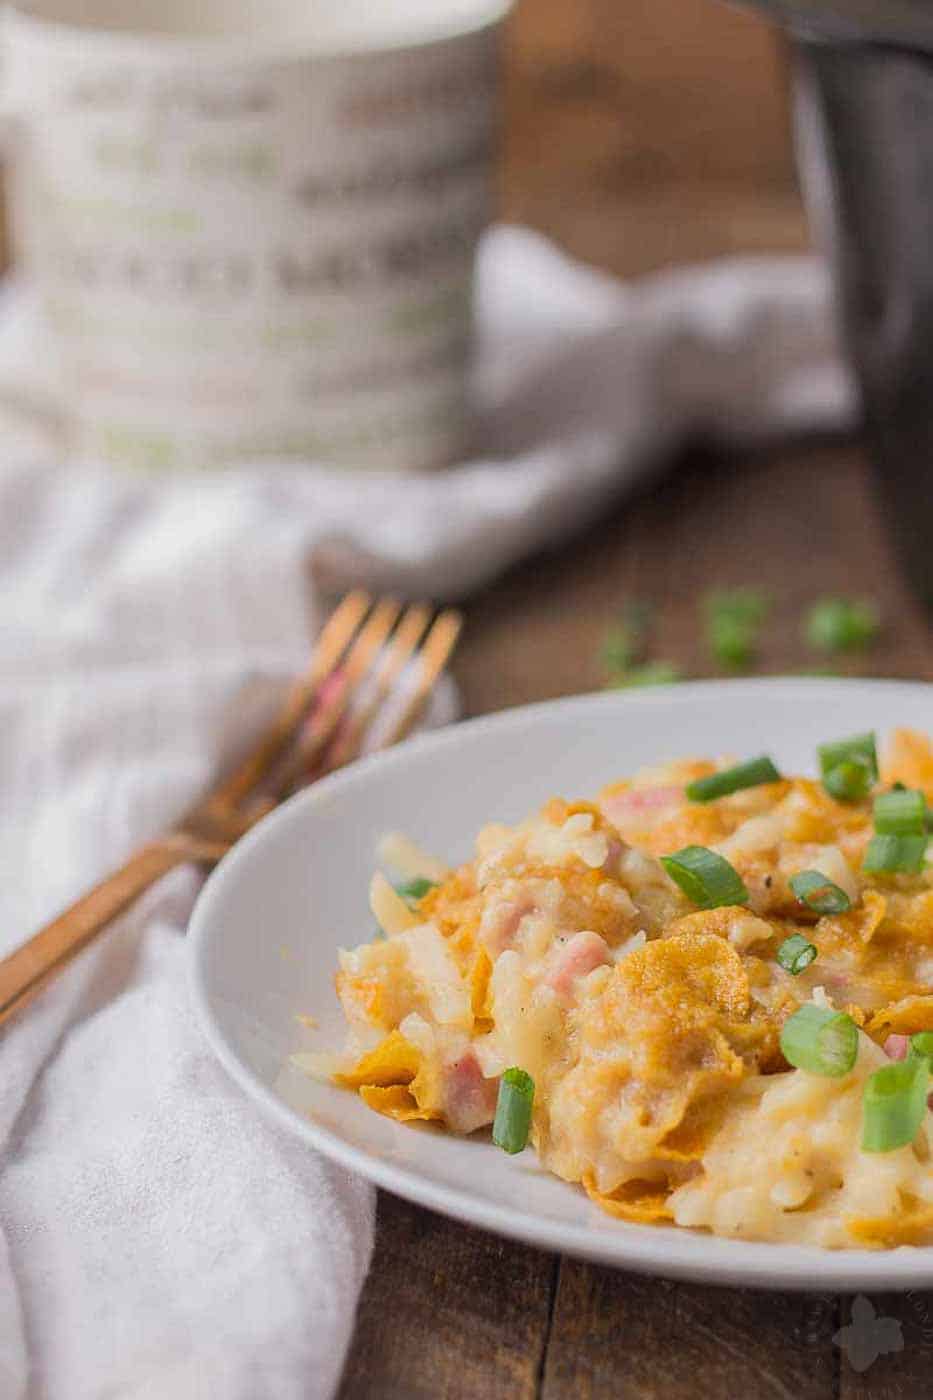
<point>513,1111</point>
<point>627,639</point>
<point>705,877</point>
<point>796,953</point>
<point>744,775</point>
<point>842,624</point>
<point>819,893</point>
<point>820,1040</point>
<point>742,604</point>
<point>733,642</point>
<point>895,1104</point>
<point>733,625</point>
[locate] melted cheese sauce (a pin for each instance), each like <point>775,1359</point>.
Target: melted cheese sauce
<point>652,1029</point>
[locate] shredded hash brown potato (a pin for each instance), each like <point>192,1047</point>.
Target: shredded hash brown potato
<point>651,1028</point>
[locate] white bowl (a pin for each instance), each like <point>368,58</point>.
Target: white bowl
<point>266,930</point>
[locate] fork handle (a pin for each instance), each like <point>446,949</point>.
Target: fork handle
<point>27,969</point>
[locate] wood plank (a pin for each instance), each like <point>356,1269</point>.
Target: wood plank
<point>886,1347</point>
<point>617,1336</point>
<point>797,524</point>
<point>645,134</point>
<point>448,1313</point>
<point>711,74</point>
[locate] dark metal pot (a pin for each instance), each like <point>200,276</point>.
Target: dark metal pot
<point>864,118</point>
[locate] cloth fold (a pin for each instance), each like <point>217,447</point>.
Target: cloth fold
<point>156,1237</point>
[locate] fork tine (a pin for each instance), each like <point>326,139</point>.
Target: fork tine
<point>435,654</point>
<point>334,638</point>
<point>370,642</point>
<point>363,653</point>
<point>400,649</point>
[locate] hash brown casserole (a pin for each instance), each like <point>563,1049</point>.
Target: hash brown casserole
<point>673,1075</point>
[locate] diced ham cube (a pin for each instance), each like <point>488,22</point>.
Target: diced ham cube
<point>613,855</point>
<point>500,923</point>
<point>646,799</point>
<point>469,1097</point>
<point>580,955</point>
<point>896,1047</point>
<point>639,809</point>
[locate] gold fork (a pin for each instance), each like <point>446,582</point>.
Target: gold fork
<point>323,723</point>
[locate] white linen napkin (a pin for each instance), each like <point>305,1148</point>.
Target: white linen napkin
<point>156,1237</point>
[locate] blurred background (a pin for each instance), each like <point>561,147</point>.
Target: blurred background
<point>649,133</point>
<point>638,138</point>
<point>642,136</point>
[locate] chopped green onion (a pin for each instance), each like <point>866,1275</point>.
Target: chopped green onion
<point>849,782</point>
<point>705,877</point>
<point>861,748</point>
<point>652,673</point>
<point>902,813</point>
<point>849,767</point>
<point>819,893</point>
<point>842,624</point>
<point>927,810</point>
<point>734,644</point>
<point>743,775</point>
<point>820,1040</point>
<point>513,1111</point>
<point>619,650</point>
<point>733,621</point>
<point>795,953</point>
<point>896,855</point>
<point>414,890</point>
<point>626,640</point>
<point>741,604</point>
<point>894,1104</point>
<point>922,1044</point>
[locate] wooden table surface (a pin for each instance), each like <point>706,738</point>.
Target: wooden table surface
<point>627,148</point>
